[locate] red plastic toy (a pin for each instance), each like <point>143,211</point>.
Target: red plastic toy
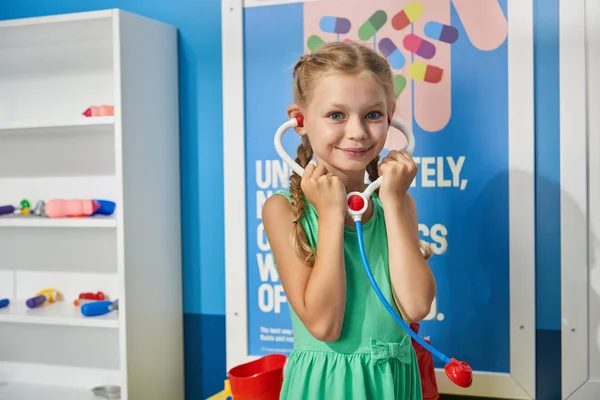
<point>259,379</point>
<point>92,296</point>
<point>426,367</point>
<point>99,111</point>
<point>459,372</point>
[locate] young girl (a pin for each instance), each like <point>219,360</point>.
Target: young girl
<point>346,345</point>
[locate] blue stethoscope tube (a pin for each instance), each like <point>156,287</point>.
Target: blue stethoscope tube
<point>386,304</point>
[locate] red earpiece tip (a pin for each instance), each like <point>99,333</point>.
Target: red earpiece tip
<point>389,119</point>
<point>460,373</point>
<point>300,120</point>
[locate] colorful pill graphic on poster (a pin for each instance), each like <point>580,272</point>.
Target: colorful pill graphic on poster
<point>314,42</point>
<point>407,15</point>
<point>392,53</point>
<point>372,25</point>
<point>425,73</point>
<point>419,46</point>
<point>338,25</point>
<point>399,84</point>
<point>443,33</point>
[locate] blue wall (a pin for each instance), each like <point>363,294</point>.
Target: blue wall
<point>199,24</point>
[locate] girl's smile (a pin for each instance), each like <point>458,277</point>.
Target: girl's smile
<point>356,152</point>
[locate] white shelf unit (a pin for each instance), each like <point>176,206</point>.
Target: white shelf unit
<point>51,70</point>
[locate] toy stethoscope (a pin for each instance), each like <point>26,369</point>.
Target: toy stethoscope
<point>458,372</point>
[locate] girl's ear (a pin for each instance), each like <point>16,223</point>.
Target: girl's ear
<point>294,111</point>
<point>391,112</point>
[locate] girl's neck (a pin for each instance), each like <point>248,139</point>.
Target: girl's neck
<point>353,182</point>
<point>355,186</point>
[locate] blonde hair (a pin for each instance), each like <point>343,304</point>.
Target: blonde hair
<point>337,58</point>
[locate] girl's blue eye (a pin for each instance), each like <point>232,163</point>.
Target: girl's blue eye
<point>335,116</point>
<point>373,115</point>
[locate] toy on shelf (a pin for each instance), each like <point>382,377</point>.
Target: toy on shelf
<point>99,111</point>
<point>89,297</point>
<point>62,208</point>
<point>44,297</point>
<point>24,208</point>
<point>4,303</point>
<point>99,308</point>
<point>92,296</point>
<point>106,207</point>
<point>5,210</point>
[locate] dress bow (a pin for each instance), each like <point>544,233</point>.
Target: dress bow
<point>382,351</point>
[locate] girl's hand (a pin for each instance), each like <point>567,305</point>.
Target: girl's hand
<point>399,171</point>
<point>324,190</point>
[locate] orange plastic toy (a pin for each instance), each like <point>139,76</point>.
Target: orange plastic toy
<point>260,379</point>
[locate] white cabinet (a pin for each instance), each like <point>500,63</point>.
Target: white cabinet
<point>51,70</point>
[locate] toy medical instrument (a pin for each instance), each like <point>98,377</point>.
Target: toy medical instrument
<point>43,297</point>
<point>24,208</point>
<point>92,296</point>
<point>457,371</point>
<point>99,308</point>
<point>62,208</point>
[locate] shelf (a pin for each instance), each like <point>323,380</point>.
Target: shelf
<point>40,222</point>
<point>80,125</point>
<point>61,313</point>
<point>23,391</point>
<point>51,70</point>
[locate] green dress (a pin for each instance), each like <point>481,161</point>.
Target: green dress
<point>373,358</point>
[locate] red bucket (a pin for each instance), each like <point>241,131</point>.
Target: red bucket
<point>260,379</point>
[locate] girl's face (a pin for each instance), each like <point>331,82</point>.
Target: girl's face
<point>346,122</point>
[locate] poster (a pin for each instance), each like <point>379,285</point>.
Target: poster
<point>451,75</point>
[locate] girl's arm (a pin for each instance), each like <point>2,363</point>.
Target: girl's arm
<point>317,294</point>
<point>413,284</point>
